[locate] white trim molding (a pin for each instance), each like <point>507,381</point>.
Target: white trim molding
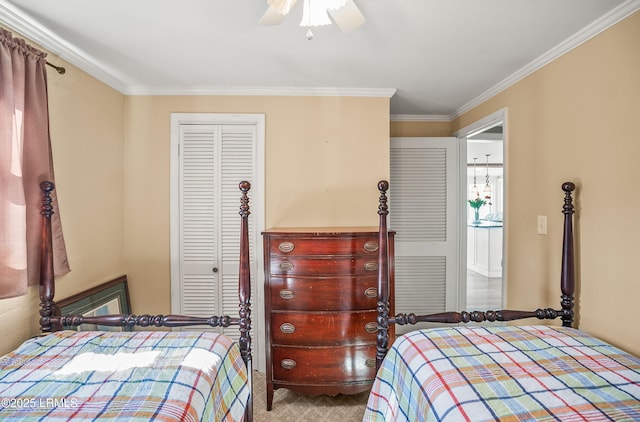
<point>15,19</point>
<point>265,91</point>
<point>621,12</point>
<point>596,27</point>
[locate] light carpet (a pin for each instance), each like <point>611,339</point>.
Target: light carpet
<point>289,406</point>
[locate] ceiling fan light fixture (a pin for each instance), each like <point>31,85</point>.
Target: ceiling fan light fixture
<point>343,13</point>
<point>315,13</point>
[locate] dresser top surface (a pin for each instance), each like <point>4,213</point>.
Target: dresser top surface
<point>321,230</point>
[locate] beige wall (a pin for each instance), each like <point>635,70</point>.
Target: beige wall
<point>575,119</point>
<point>324,156</point>
<point>86,125</point>
<point>417,129</point>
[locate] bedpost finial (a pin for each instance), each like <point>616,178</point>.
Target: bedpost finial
<point>47,186</point>
<point>568,187</point>
<point>244,186</point>
<point>567,208</point>
<point>383,186</point>
<point>244,200</point>
<point>46,208</point>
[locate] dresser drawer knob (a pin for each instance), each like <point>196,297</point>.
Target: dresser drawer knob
<point>371,363</point>
<point>288,328</point>
<point>287,294</point>
<point>290,363</point>
<point>285,246</point>
<point>371,266</point>
<point>371,246</point>
<point>371,327</point>
<point>286,266</point>
<point>371,292</point>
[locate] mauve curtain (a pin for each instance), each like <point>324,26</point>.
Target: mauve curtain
<point>25,161</point>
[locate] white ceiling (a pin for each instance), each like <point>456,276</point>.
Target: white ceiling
<point>437,58</point>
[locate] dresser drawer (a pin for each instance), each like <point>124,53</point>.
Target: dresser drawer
<point>323,328</point>
<point>323,294</point>
<point>362,245</point>
<point>323,266</point>
<point>324,364</point>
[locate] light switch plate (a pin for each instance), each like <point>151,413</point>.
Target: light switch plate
<point>542,224</point>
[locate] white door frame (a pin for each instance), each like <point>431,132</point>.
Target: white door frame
<point>462,134</point>
<point>257,209</point>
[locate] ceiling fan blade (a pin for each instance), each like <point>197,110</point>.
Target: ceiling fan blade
<point>348,17</point>
<point>282,6</point>
<point>271,17</point>
<point>276,12</point>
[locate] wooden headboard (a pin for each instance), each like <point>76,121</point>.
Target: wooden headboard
<point>567,283</point>
<point>51,320</point>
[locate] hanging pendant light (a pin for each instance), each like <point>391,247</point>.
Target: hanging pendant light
<point>487,186</point>
<point>474,190</point>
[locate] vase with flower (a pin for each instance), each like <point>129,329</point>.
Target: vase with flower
<point>476,204</point>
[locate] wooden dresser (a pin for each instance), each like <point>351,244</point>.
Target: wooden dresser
<point>320,308</point>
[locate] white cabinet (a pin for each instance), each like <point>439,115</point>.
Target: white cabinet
<point>484,248</point>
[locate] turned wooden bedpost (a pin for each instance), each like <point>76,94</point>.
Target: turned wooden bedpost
<point>382,338</point>
<point>47,284</point>
<point>567,278</point>
<point>244,292</point>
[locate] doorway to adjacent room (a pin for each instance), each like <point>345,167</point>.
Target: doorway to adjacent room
<point>483,182</point>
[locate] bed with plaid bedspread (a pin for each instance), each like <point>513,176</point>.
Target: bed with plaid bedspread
<point>533,373</point>
<point>124,376</point>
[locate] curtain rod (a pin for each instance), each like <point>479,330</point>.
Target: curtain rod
<point>61,70</point>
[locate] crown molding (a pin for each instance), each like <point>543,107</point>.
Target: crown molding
<point>596,27</point>
<point>265,91</point>
<point>13,18</point>
<point>623,11</point>
<point>18,21</point>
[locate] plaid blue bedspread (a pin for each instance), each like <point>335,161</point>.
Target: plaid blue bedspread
<point>533,373</point>
<point>124,376</point>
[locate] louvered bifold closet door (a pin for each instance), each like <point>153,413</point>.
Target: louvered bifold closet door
<point>238,149</point>
<point>422,211</point>
<point>199,260</point>
<point>214,159</point>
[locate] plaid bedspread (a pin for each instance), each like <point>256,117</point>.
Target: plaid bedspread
<point>124,376</point>
<point>533,373</point>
